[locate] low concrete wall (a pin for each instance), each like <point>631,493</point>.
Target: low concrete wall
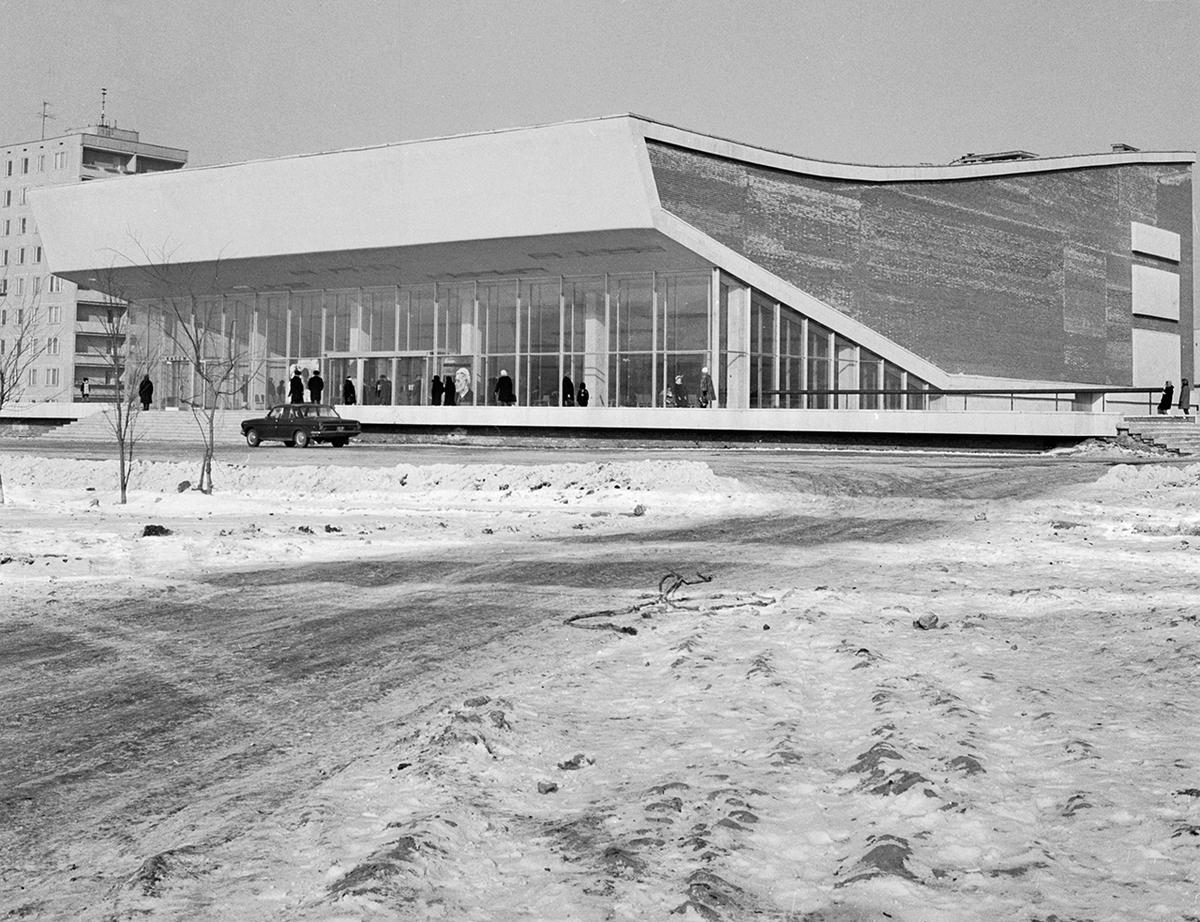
<point>1065,425</point>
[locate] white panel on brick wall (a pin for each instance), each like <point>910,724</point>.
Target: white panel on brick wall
<point>1155,241</point>
<point>1155,358</point>
<point>1155,293</point>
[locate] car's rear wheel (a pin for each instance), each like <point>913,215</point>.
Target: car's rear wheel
<point>252,438</point>
<point>300,438</point>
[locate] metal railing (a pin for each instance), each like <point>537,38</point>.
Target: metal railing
<point>1073,399</point>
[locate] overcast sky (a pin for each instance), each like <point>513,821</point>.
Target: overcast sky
<point>881,81</point>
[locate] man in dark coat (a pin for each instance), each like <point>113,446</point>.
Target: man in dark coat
<point>582,396</point>
<point>504,390</point>
<point>435,391</point>
<point>146,392</point>
<point>349,395</point>
<point>568,392</point>
<point>1185,396</point>
<point>296,388</point>
<point>448,392</point>
<point>316,386</point>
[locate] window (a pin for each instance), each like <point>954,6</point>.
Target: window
<point>7,197</point>
<point>24,190</point>
<point>33,377</point>
<point>19,287</point>
<point>23,225</point>
<point>20,256</point>
<point>60,159</point>
<point>41,163</point>
<point>3,289</point>
<point>3,257</point>
<point>52,377</point>
<point>3,318</point>
<point>37,284</point>
<point>20,312</point>
<point>56,284</point>
<point>37,254</point>
<point>24,165</point>
<point>8,169</point>
<point>54,313</point>
<point>52,346</point>
<point>7,226</point>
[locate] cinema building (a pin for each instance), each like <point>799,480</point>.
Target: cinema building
<point>688,282</point>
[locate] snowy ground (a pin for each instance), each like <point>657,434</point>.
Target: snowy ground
<point>404,727</point>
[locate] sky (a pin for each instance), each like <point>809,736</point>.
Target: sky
<point>885,81</point>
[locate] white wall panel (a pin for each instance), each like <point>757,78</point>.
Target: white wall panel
<point>1155,241</point>
<point>1156,358</point>
<point>1155,293</point>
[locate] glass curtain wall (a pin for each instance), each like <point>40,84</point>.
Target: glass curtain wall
<point>683,344</point>
<point>498,337</point>
<point>537,375</point>
<point>635,339</point>
<point>762,350</point>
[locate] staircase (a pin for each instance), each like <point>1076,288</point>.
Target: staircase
<point>1174,433</point>
<point>174,426</point>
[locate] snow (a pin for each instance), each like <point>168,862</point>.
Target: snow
<point>779,742</point>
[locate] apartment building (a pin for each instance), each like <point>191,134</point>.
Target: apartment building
<point>62,322</point>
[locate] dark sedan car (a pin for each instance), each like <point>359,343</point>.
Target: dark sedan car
<point>301,424</point>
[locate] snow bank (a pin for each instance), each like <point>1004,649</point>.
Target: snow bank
<point>601,484</point>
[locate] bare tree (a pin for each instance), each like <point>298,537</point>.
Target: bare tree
<point>128,357</point>
<point>213,333</point>
<point>21,346</point>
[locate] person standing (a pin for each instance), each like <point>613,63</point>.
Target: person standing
<point>568,392</point>
<point>435,391</point>
<point>85,389</point>
<point>384,391</point>
<point>448,392</point>
<point>679,392</point>
<point>1185,396</point>
<point>296,388</point>
<point>582,396</point>
<point>146,392</point>
<point>349,395</point>
<point>504,390</point>
<point>316,386</point>
<point>1165,403</point>
<point>706,388</point>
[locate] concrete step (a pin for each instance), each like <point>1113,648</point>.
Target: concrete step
<point>151,426</point>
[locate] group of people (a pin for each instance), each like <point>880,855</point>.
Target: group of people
<point>145,391</point>
<point>315,386</point>
<point>1168,395</point>
<point>676,394</point>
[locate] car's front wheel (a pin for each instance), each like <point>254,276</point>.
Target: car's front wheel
<point>252,438</point>
<point>301,438</point>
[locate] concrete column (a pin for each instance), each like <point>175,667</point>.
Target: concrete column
<point>595,348</point>
<point>737,373</point>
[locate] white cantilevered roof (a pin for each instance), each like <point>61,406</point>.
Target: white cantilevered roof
<point>569,178</point>
<point>577,177</point>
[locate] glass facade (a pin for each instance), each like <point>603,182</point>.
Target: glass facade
<point>649,339</point>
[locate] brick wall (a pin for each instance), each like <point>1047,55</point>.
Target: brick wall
<point>1018,276</point>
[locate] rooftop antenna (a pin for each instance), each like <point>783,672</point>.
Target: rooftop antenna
<point>45,115</point>
<point>103,98</point>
